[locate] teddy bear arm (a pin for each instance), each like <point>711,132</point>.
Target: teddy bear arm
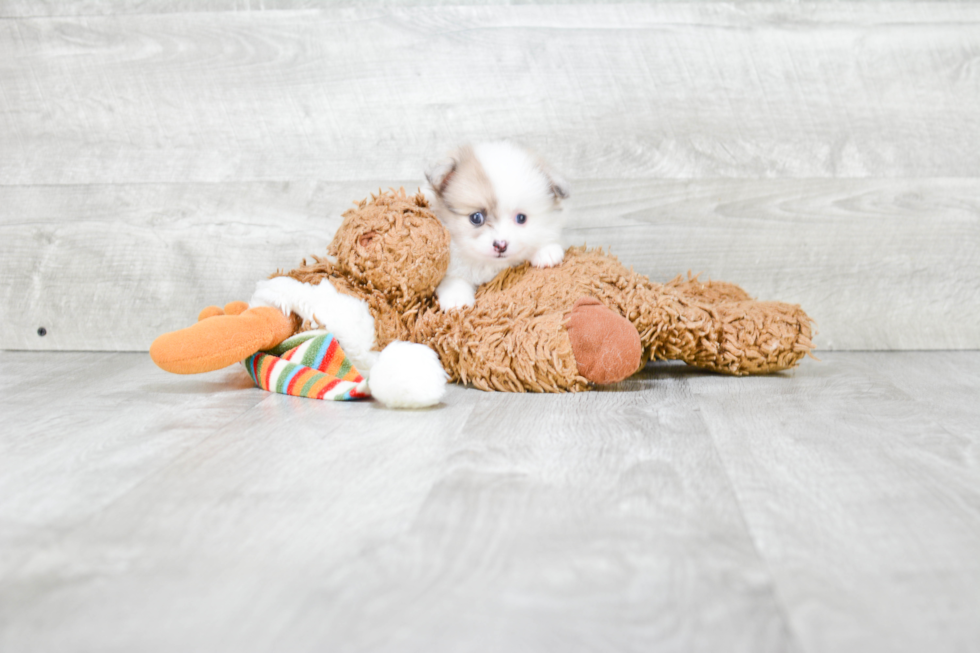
<point>521,354</point>
<point>498,348</point>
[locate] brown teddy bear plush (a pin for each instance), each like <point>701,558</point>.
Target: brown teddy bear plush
<point>587,321</point>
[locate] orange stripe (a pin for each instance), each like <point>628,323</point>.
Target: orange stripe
<point>336,363</point>
<point>317,388</point>
<point>353,375</point>
<point>268,363</point>
<point>330,356</point>
<point>298,381</point>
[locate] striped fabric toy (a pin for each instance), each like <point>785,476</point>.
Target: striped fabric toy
<point>309,364</point>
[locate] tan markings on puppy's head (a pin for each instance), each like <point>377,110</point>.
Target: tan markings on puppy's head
<point>470,189</point>
<point>462,185</point>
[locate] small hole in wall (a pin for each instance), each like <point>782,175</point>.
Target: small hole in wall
<point>42,331</point>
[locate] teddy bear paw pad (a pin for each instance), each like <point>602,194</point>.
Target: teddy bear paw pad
<point>606,345</point>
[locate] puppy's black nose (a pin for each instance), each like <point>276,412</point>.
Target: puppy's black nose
<point>500,246</point>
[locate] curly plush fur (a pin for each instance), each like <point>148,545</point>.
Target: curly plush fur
<point>546,329</point>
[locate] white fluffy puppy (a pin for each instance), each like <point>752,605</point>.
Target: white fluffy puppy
<point>502,205</point>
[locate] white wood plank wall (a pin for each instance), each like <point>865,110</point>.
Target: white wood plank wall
<point>156,157</point>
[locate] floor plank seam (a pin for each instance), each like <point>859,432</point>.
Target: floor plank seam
<point>776,594</point>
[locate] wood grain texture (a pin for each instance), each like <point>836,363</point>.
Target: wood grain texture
<point>98,396</point>
<point>112,267</point>
<point>666,90</point>
<point>862,493</point>
<point>58,8</point>
<point>61,8</point>
<point>880,264</point>
<point>832,508</point>
<point>159,155</point>
<point>494,522</point>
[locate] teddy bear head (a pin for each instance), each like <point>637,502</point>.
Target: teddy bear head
<point>394,244</point>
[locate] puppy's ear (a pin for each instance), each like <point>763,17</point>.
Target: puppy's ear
<point>441,172</point>
<point>560,188</point>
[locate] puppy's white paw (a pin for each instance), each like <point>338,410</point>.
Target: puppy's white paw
<point>408,375</point>
<point>455,293</point>
<point>548,256</point>
<point>450,300</point>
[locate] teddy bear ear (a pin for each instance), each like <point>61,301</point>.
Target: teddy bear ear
<point>365,239</point>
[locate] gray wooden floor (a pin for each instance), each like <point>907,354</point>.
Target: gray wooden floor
<point>832,508</point>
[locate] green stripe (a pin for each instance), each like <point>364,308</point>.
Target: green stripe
<point>305,391</point>
<point>309,356</point>
<point>344,368</point>
<point>291,343</point>
<point>283,375</point>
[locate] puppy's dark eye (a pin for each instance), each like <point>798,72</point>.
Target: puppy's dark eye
<point>520,218</point>
<point>476,219</point>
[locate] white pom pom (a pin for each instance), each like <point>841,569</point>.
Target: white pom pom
<point>408,375</point>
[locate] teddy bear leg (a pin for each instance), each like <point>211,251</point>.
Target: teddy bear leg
<point>760,338</point>
<point>606,345</point>
<point>716,333</point>
<point>221,340</point>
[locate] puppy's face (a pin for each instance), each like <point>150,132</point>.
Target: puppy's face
<point>498,201</point>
